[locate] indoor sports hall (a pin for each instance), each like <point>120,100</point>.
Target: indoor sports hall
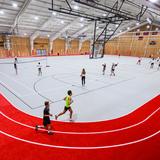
<point>79,79</point>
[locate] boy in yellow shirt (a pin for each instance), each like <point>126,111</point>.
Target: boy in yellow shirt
<point>67,107</point>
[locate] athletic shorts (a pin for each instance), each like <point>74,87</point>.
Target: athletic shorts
<point>66,108</point>
<point>46,121</point>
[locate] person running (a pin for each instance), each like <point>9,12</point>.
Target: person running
<point>83,77</point>
<point>152,64</point>
<point>39,69</point>
<point>15,67</point>
<point>104,68</point>
<point>139,61</point>
<point>69,101</point>
<point>46,119</point>
<point>113,69</point>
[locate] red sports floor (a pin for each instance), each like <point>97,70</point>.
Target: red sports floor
<point>135,136</point>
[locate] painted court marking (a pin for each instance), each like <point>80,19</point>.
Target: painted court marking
<point>67,147</point>
<point>100,132</point>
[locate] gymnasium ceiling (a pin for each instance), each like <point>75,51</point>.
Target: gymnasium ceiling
<point>33,18</point>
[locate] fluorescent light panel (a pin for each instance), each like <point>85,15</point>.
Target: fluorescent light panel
<point>15,5</point>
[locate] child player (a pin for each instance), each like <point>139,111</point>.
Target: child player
<point>139,61</point>
<point>15,67</point>
<point>104,68</point>
<point>67,107</point>
<point>46,119</point>
<point>83,77</point>
<point>113,69</point>
<point>39,69</point>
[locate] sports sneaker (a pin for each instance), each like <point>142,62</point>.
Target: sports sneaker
<point>36,127</point>
<point>56,117</point>
<point>50,132</point>
<point>71,120</point>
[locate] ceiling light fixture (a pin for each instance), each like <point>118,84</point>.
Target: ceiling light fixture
<point>15,5</point>
<point>153,1</point>
<point>54,13</point>
<point>76,7</point>
<point>36,18</point>
<point>82,25</point>
<point>1,12</point>
<point>82,19</point>
<point>148,26</point>
<point>157,29</point>
<point>117,25</point>
<point>62,22</point>
<point>137,23</point>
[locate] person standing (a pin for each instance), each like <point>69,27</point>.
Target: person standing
<point>39,69</point>
<point>15,67</point>
<point>152,64</point>
<point>46,119</point>
<point>83,77</point>
<point>69,101</point>
<point>113,69</point>
<point>139,61</point>
<point>104,68</point>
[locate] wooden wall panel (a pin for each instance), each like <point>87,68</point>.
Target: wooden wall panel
<point>74,47</point>
<point>58,47</point>
<point>20,46</point>
<point>138,46</point>
<point>130,45</point>
<point>85,47</point>
<point>2,50</point>
<point>111,48</point>
<point>153,49</point>
<point>125,44</point>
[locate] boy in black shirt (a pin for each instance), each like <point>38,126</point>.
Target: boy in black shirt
<point>46,119</point>
<point>104,68</point>
<point>15,67</point>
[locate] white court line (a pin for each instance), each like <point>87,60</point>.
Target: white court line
<point>18,82</point>
<point>86,133</point>
<point>11,89</point>
<point>80,148</point>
